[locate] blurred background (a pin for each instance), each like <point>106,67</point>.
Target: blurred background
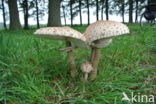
<point>69,12</point>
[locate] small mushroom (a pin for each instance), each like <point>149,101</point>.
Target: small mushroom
<point>99,35</point>
<point>72,38</point>
<point>86,69</point>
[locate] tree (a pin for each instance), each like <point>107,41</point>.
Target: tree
<point>26,6</point>
<point>130,11</point>
<point>75,8</point>
<point>37,14</point>
<point>88,11</point>
<point>3,10</point>
<point>71,11</point>
<point>25,9</point>
<point>64,14</point>
<point>151,1</point>
<point>14,16</point>
<point>119,8</point>
<point>123,10</point>
<point>97,10</point>
<point>80,3</point>
<point>136,11</point>
<point>54,18</point>
<point>38,9</point>
<point>107,9</point>
<point>102,8</point>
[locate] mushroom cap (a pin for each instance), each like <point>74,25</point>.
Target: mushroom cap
<point>86,67</point>
<point>61,33</point>
<point>105,29</point>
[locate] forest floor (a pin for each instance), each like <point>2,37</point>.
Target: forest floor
<point>33,71</point>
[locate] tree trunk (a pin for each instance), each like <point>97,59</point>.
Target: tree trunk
<point>88,12</point>
<point>64,14</point>
<point>97,10</point>
<point>26,15</point>
<point>80,12</point>
<point>151,1</point>
<point>130,11</point>
<point>71,12</point>
<point>14,16</point>
<point>37,14</point>
<point>4,19</point>
<point>136,12</point>
<point>107,10</point>
<point>123,11</point>
<point>102,9</point>
<point>54,18</point>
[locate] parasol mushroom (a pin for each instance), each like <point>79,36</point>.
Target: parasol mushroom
<point>86,69</point>
<point>72,37</point>
<point>99,35</point>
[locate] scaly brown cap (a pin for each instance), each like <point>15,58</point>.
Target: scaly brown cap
<point>105,29</point>
<point>61,33</point>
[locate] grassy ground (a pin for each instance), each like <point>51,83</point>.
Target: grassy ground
<point>33,71</point>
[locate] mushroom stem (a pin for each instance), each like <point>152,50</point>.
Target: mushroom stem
<point>95,60</point>
<point>85,77</point>
<point>71,60</point>
<point>92,53</point>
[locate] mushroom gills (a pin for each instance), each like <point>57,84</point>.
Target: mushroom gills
<point>102,43</point>
<point>78,43</point>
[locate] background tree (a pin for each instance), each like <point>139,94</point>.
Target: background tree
<point>64,14</point>
<point>3,13</point>
<point>107,9</point>
<point>136,10</point>
<point>75,9</point>
<point>151,1</point>
<point>102,8</point>
<point>130,11</point>
<point>26,14</point>
<point>141,6</point>
<point>119,7</point>
<point>31,8</point>
<point>123,10</point>
<point>97,10</point>
<point>88,11</point>
<point>71,2</point>
<point>37,13</point>
<point>77,6</point>
<point>80,12</point>
<point>14,16</point>
<point>54,18</point>
<point>38,10</point>
<point>26,6</point>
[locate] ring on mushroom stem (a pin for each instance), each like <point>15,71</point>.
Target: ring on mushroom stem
<point>99,35</point>
<point>66,49</point>
<point>101,43</point>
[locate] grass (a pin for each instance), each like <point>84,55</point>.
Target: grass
<point>33,71</point>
